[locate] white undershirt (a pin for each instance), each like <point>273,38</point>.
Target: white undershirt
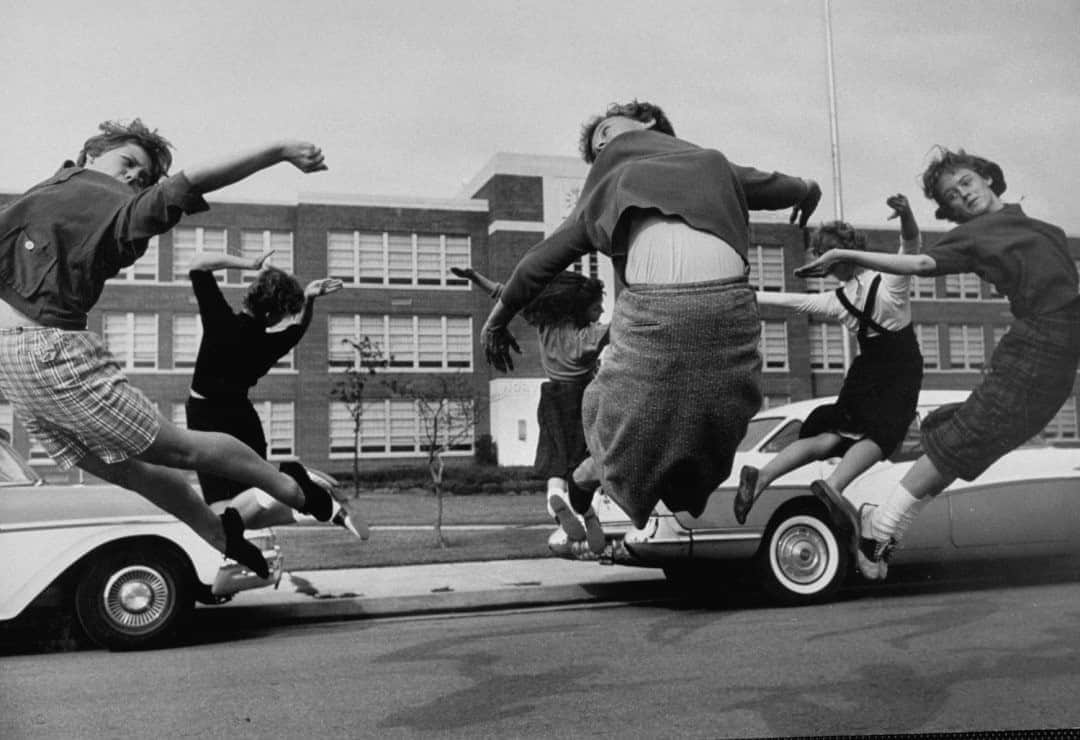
<point>665,250</point>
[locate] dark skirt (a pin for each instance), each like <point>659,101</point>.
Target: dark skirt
<point>561,446</point>
<point>879,396</point>
<point>674,394</point>
<point>236,417</point>
<point>1031,375</point>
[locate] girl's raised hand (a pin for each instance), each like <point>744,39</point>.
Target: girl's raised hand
<point>258,262</point>
<point>322,287</point>
<point>900,206</point>
<point>818,267</point>
<point>303,155</point>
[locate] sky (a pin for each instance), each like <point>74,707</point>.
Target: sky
<point>411,98</point>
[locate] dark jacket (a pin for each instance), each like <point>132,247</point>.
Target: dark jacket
<point>62,239</point>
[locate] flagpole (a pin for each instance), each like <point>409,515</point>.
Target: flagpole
<point>834,133</point>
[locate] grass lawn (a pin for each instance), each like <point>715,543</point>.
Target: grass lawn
<point>323,547</point>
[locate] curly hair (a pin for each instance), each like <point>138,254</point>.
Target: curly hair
<point>567,298</point>
<point>946,162</point>
<point>115,134</point>
<point>274,292</point>
<point>836,235</point>
<point>638,110</point>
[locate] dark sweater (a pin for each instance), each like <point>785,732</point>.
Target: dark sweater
<point>236,350</point>
<point>1027,260</point>
<point>647,170</point>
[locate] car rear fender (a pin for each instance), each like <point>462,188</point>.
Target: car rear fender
<point>34,557</point>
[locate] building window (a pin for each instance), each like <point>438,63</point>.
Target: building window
<point>963,287</point>
<point>772,401</point>
<point>256,243</point>
<point>186,338</point>
<point>132,338</point>
<point>825,284</point>
<point>588,265</point>
<point>383,259</point>
<point>927,335</point>
<point>279,426</point>
<point>189,241</point>
<point>400,427</point>
<point>145,269</point>
<point>923,288</point>
<point>966,347</point>
<point>999,334</point>
<point>1063,425</point>
<point>774,348</point>
<point>826,346</point>
<point>37,454</point>
<point>430,343</point>
<point>767,267</point>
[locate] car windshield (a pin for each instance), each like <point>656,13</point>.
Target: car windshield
<point>13,471</point>
<point>756,431</point>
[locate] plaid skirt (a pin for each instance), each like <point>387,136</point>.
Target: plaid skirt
<point>674,394</point>
<point>72,397</point>
<point>1031,375</point>
<point>561,446</point>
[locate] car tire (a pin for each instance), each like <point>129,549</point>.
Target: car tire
<point>801,560</point>
<point>135,599</point>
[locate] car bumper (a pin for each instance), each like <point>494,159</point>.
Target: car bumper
<point>232,578</point>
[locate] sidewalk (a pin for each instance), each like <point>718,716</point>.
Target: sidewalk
<point>445,587</point>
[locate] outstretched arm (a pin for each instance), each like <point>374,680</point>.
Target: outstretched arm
<point>897,264</point>
<point>485,283</point>
<point>218,173</point>
<point>207,262</point>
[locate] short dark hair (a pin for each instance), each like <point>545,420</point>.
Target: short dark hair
<point>274,292</point>
<point>636,109</point>
<point>946,161</point>
<point>836,235</point>
<point>567,298</point>
<point>115,134</point>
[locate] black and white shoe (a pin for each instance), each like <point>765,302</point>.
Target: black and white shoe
<point>317,500</point>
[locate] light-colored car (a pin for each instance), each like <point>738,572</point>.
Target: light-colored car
<point>131,572</point>
<point>1026,504</point>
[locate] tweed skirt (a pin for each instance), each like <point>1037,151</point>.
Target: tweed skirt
<point>72,397</point>
<point>1031,375</point>
<point>561,445</point>
<point>674,394</point>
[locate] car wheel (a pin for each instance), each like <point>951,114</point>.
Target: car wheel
<point>133,600</point>
<point>801,560</point>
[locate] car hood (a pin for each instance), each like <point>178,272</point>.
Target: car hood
<point>22,505</point>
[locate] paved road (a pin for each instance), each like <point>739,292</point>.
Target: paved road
<point>883,660</point>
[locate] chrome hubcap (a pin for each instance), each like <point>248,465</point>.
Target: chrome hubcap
<point>802,554</point>
<point>136,597</point>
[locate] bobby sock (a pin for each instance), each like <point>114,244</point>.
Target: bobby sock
<point>892,518</point>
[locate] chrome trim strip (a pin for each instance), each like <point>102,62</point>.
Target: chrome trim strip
<point>81,523</point>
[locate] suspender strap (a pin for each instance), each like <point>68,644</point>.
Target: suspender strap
<point>865,316</point>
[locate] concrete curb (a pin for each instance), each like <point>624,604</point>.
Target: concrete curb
<point>332,608</point>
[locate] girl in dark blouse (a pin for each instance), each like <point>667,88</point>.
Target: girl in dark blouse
<point>237,349</point>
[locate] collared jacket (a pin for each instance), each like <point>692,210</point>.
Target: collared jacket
<point>648,170</point>
<point>62,239</point>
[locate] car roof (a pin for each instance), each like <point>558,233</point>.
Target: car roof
<point>800,409</point>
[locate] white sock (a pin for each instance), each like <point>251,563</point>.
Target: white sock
<point>893,517</point>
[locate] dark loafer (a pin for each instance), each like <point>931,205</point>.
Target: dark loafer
<point>744,497</point>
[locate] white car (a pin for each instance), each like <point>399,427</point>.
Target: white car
<point>1026,504</point>
<point>131,572</point>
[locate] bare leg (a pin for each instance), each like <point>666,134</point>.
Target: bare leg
<point>795,455</point>
<point>856,461</point>
<point>223,455</point>
<point>260,511</point>
<point>924,479</point>
<point>164,487</point>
